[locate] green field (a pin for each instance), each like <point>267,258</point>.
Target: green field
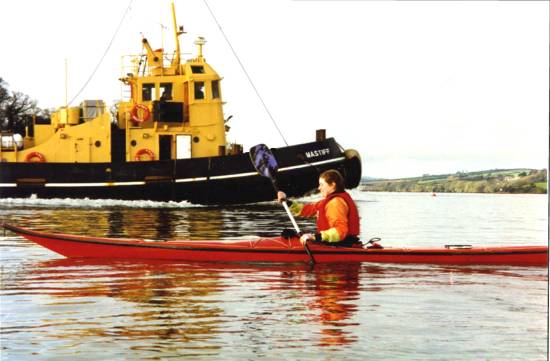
<point>542,185</point>
<point>519,180</point>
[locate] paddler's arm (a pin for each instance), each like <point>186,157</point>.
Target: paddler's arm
<point>298,209</point>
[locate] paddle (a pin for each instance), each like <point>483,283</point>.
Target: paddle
<point>265,163</point>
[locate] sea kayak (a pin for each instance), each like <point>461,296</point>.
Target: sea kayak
<point>277,249</point>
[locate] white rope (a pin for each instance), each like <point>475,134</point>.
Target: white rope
<point>105,53</point>
<point>246,73</point>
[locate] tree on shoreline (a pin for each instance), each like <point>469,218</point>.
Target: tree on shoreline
<point>16,109</point>
<point>3,92</point>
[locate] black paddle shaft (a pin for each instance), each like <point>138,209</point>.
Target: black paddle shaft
<point>265,163</point>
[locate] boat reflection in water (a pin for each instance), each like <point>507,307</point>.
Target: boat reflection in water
<point>166,224</point>
<point>188,301</point>
<point>201,305</point>
<point>160,300</point>
<point>150,223</point>
<point>186,222</point>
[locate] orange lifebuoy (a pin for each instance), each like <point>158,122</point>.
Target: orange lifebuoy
<point>35,155</point>
<point>143,151</point>
<point>144,116</point>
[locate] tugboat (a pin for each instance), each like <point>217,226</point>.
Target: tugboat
<point>165,142</point>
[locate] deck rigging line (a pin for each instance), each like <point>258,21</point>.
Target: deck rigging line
<point>105,53</point>
<point>245,72</point>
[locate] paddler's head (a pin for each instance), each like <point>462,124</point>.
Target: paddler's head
<point>331,181</point>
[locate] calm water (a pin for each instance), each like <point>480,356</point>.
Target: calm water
<point>58,309</point>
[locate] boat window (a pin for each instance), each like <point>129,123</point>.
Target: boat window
<point>215,89</point>
<point>164,111</point>
<point>147,92</point>
<point>42,120</point>
<point>199,90</point>
<point>197,69</point>
<point>165,91</point>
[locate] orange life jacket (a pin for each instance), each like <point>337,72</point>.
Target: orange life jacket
<point>353,214</point>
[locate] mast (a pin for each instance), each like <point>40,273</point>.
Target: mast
<point>177,33</point>
<point>66,86</point>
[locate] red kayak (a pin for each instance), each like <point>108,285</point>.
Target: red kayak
<point>277,249</point>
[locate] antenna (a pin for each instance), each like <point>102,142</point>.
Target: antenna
<point>176,60</point>
<point>66,84</point>
<point>162,27</point>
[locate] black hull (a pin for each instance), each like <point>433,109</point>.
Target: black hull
<point>213,180</point>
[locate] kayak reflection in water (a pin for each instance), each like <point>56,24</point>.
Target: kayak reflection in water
<point>337,215</point>
<point>335,303</point>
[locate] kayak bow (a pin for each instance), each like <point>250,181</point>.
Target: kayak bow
<point>276,249</point>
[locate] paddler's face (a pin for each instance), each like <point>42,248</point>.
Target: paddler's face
<point>326,188</point>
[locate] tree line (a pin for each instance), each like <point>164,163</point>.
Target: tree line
<point>532,181</point>
<point>17,110</point>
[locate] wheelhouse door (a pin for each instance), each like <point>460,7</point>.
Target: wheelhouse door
<point>183,146</point>
<point>165,147</point>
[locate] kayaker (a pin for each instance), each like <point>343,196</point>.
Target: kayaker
<point>337,215</point>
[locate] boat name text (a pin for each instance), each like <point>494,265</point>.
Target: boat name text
<point>318,153</point>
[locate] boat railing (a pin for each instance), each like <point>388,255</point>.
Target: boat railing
<point>133,65</point>
<point>10,143</point>
<point>137,64</point>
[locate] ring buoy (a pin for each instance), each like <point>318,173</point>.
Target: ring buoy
<point>35,155</point>
<point>136,118</point>
<point>143,151</point>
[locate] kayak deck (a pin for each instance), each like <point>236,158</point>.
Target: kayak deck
<point>276,249</point>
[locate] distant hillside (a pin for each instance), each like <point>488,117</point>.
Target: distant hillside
<point>487,181</point>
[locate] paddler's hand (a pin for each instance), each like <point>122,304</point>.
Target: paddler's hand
<point>281,196</point>
<point>307,237</point>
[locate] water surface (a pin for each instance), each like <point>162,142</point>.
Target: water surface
<point>57,308</point>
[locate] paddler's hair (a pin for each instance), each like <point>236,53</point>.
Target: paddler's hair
<point>332,176</point>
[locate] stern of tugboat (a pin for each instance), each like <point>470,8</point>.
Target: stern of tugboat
<point>352,168</point>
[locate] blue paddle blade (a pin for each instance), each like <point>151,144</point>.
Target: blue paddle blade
<point>263,160</point>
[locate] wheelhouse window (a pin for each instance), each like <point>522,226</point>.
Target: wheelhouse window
<point>197,69</point>
<point>199,90</point>
<point>215,89</point>
<point>165,91</point>
<point>147,90</point>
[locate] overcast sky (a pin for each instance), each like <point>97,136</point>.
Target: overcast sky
<point>415,87</point>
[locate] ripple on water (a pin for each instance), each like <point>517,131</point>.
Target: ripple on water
<point>56,308</point>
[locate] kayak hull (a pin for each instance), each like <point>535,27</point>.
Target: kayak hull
<point>277,249</point>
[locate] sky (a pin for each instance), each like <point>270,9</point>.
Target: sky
<point>415,87</point>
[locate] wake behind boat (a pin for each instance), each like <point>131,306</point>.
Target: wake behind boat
<point>277,249</point>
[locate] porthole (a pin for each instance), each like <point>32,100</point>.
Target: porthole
<point>97,143</point>
<point>133,143</point>
<point>196,139</point>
